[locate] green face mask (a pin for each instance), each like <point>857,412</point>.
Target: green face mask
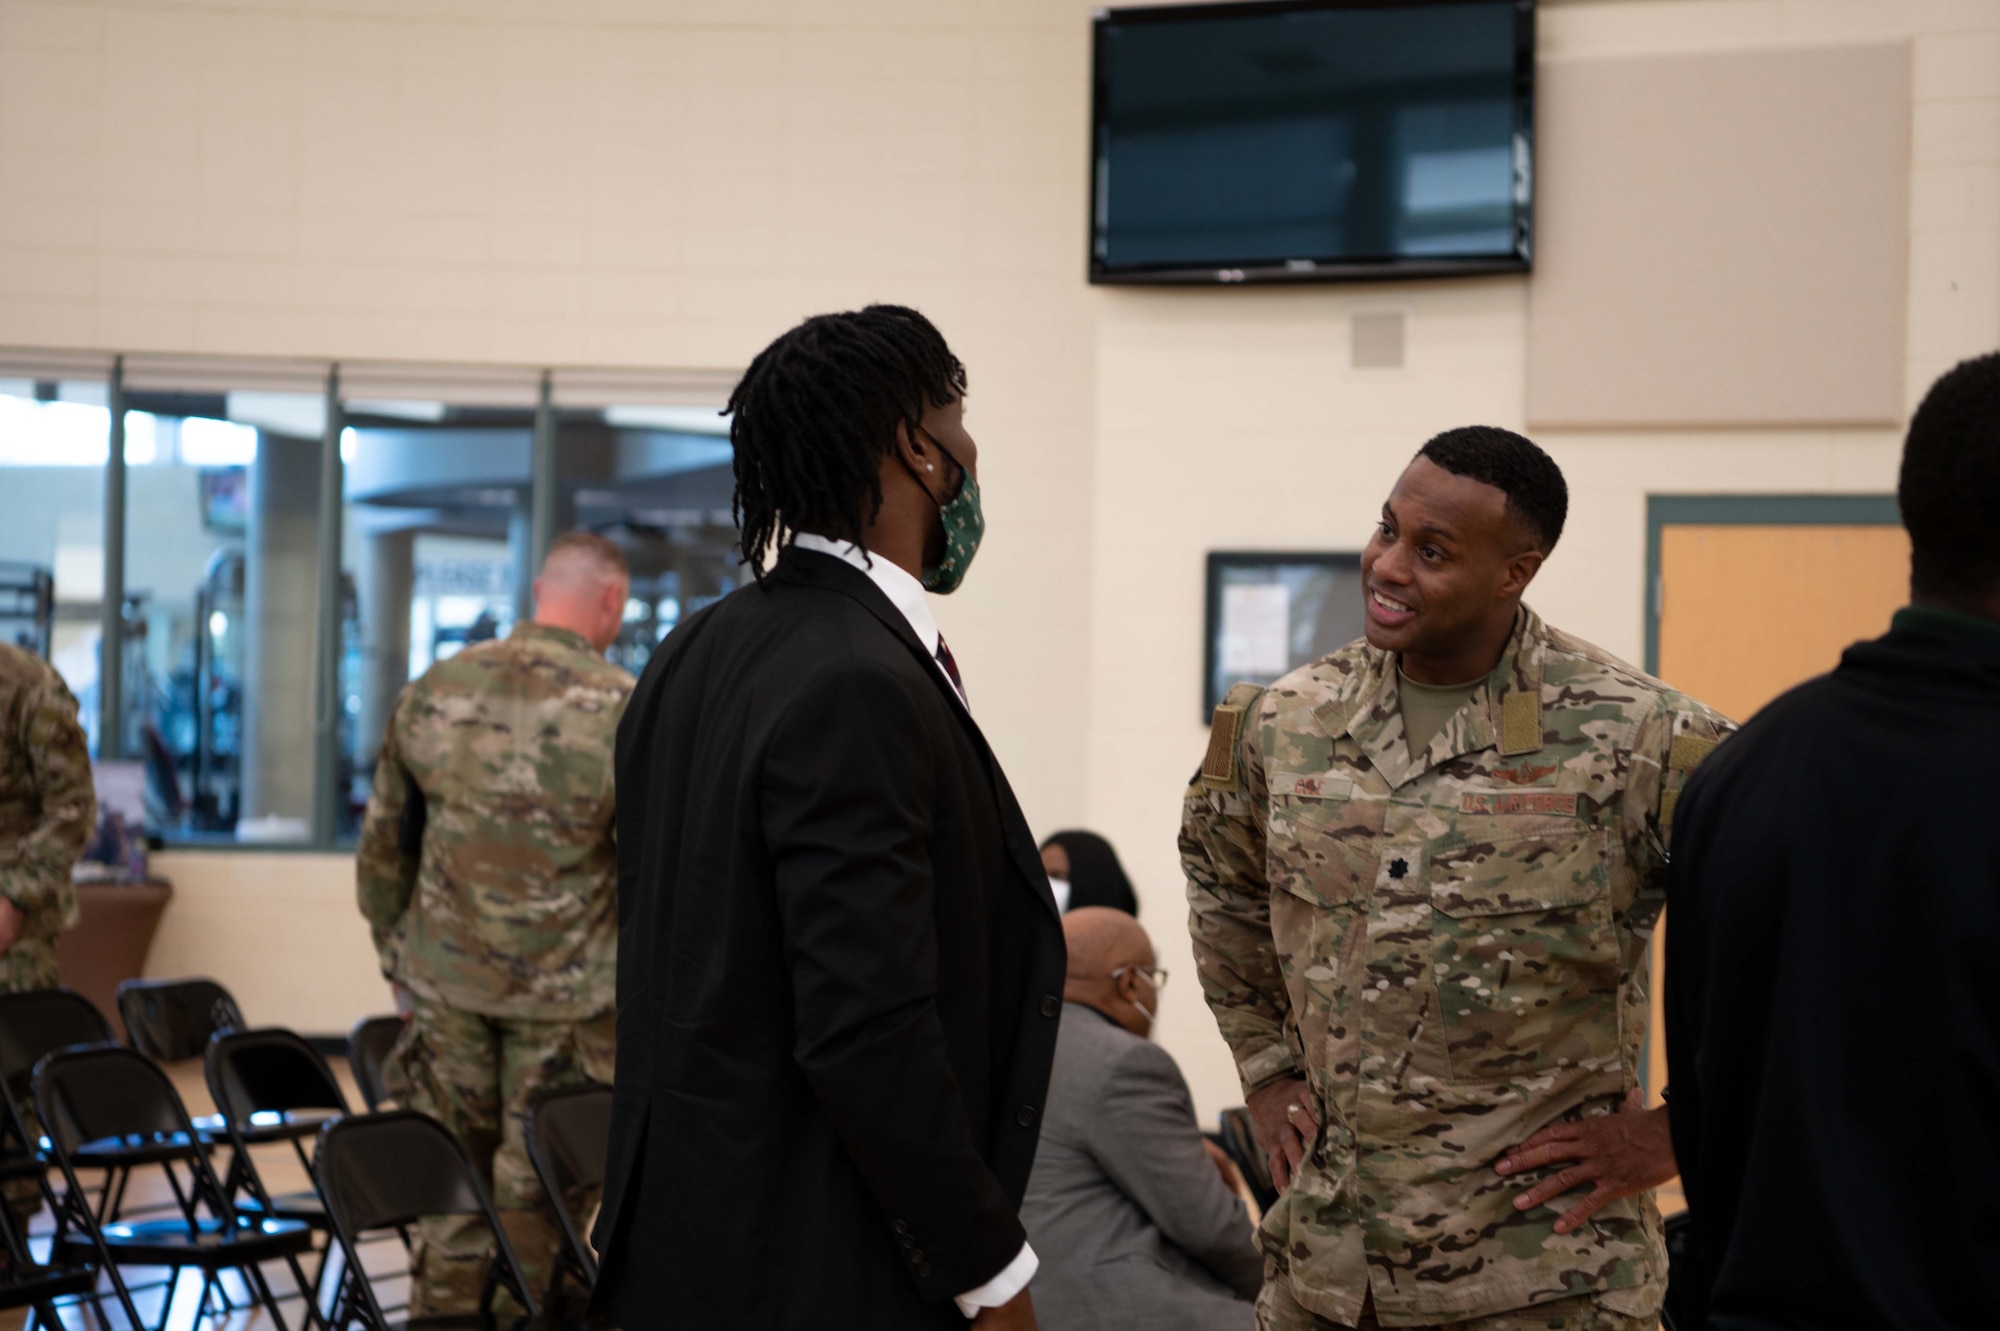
<point>964,525</point>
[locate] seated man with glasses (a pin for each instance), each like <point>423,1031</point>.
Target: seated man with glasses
<point>1127,1208</point>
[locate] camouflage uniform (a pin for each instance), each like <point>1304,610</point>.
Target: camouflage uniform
<point>48,808</point>
<point>487,872</point>
<point>1451,948</point>
<point>1279,1310</point>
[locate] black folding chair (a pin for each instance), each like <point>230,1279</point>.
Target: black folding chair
<point>32,1024</point>
<point>1239,1139</point>
<point>569,1134</point>
<point>111,1095</point>
<point>271,1086</point>
<point>39,1022</point>
<point>387,1171</point>
<point>173,1020</point>
<point>368,1047</point>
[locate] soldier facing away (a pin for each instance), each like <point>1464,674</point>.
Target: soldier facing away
<point>487,872</point>
<point>1424,873</point>
<point>47,811</point>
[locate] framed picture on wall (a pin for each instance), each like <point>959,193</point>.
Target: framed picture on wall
<point>1270,612</point>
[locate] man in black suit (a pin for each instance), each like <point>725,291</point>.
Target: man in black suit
<point>839,963</point>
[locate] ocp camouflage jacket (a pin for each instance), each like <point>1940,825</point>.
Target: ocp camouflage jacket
<point>48,809</point>
<point>487,866</point>
<point>1452,949</point>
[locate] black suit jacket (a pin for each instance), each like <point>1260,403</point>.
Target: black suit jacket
<point>839,969</point>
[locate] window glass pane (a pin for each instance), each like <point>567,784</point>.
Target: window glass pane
<point>657,480</point>
<point>436,533</point>
<point>54,438</point>
<point>222,504</point>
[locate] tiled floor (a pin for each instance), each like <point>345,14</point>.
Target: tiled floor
<point>280,1169</point>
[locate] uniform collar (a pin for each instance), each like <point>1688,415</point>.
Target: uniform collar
<point>528,628</point>
<point>904,592</point>
<point>1506,710</point>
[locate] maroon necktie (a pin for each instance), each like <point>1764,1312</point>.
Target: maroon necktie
<point>950,666</point>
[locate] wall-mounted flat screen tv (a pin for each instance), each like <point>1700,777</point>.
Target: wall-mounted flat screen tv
<point>1312,139</point>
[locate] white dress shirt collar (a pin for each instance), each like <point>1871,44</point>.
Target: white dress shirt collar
<point>904,592</point>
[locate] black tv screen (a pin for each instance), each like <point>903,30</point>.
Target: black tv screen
<point>1327,139</point>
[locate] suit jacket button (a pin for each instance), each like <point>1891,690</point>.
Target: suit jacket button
<point>1051,1005</point>
<point>1026,1117</point>
<point>902,1228</point>
<point>923,1270</point>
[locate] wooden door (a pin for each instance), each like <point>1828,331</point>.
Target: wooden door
<point>1748,611</point>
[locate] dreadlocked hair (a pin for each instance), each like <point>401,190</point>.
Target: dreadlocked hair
<point>815,414</point>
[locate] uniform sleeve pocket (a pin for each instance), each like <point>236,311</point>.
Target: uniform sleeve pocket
<point>1512,873</point>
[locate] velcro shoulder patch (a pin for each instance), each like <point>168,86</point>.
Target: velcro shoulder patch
<point>1520,722</point>
<point>1688,751</point>
<point>1220,769</point>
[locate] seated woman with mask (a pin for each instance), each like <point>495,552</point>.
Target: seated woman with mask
<point>1084,871</point>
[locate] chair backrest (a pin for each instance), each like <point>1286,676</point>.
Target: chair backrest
<point>1239,1138</point>
<point>268,1071</point>
<point>569,1134</point>
<point>173,1020</point>
<point>41,1021</point>
<point>104,1091</point>
<point>381,1170</point>
<point>368,1049</point>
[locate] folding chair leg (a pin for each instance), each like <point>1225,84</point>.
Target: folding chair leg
<point>254,1274</point>
<point>331,1263</point>
<point>112,1195</point>
<point>308,1290</point>
<point>318,1292</point>
<point>204,1306</point>
<point>125,1295</point>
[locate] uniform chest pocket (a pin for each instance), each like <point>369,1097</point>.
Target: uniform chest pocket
<point>1323,841</point>
<point>1525,952</point>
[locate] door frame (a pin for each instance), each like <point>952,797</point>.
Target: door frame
<point>1747,510</point>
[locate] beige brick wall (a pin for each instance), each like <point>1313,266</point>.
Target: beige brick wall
<point>672,182</point>
<point>1231,419</point>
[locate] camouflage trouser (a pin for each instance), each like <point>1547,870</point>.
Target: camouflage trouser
<point>476,1075</point>
<point>29,964</point>
<point>1277,1310</point>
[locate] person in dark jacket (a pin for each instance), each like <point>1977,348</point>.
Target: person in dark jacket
<point>1833,1021</point>
<point>839,963</point>
<point>1084,871</point>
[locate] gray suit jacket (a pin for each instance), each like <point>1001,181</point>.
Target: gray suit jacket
<point>1133,1226</point>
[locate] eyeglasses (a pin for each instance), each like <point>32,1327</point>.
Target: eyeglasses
<point>1154,974</point>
